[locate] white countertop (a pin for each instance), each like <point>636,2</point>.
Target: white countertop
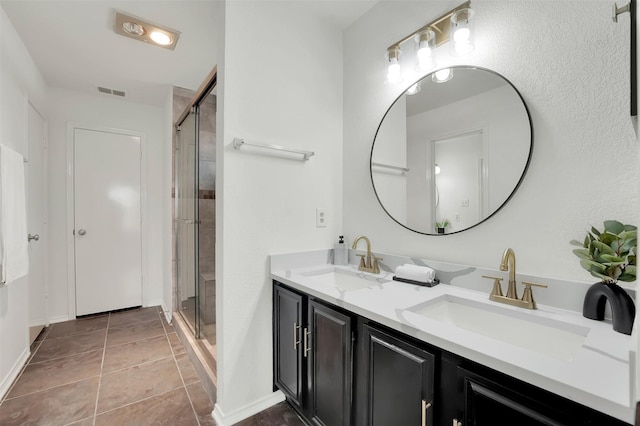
<point>598,376</point>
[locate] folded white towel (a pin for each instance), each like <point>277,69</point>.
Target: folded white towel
<point>14,245</point>
<point>415,273</point>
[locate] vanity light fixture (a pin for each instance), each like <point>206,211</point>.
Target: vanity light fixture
<point>455,26</point>
<point>425,44</point>
<point>139,29</point>
<point>442,76</point>
<point>394,74</point>
<point>462,30</point>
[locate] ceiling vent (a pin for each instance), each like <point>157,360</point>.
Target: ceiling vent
<point>111,91</point>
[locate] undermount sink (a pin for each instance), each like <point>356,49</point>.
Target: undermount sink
<point>542,335</point>
<point>344,279</point>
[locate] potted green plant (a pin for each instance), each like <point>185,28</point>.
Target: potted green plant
<point>440,226</point>
<point>610,256</point>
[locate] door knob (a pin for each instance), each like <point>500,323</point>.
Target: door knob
<point>81,232</point>
<point>33,237</point>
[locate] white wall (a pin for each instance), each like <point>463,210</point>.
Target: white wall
<point>391,150</point>
<point>167,206</point>
<point>574,77</point>
<point>20,82</point>
<point>67,106</point>
<point>280,82</point>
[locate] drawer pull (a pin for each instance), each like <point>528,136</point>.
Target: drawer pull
<point>296,342</point>
<point>307,347</point>
<point>425,406</point>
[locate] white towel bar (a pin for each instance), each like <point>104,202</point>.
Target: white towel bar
<point>239,143</point>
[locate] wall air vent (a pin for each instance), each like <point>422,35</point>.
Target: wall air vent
<point>111,91</point>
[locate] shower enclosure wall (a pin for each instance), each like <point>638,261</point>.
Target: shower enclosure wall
<point>194,229</point>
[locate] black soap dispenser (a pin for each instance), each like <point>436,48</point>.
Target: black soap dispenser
<point>340,252</point>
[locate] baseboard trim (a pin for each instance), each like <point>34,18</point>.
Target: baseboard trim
<point>166,313</point>
<point>246,411</point>
<point>7,381</point>
<point>61,318</point>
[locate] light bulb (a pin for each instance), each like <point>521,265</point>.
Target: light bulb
<point>424,53</point>
<point>160,38</point>
<point>393,71</point>
<point>462,30</point>
<point>414,89</point>
<point>425,43</point>
<point>462,35</point>
<point>442,75</point>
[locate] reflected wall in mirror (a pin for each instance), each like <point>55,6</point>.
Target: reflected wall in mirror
<point>454,151</point>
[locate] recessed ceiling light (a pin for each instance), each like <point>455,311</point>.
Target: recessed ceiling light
<point>133,28</point>
<point>160,38</point>
<point>141,30</point>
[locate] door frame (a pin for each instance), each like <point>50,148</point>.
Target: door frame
<point>71,258</point>
<point>45,204</point>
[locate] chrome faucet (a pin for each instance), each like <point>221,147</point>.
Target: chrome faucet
<point>508,263</point>
<point>368,263</point>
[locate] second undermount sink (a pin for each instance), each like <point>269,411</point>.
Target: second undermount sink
<point>344,279</point>
<point>557,339</point>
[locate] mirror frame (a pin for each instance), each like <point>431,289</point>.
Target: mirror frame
<point>515,188</point>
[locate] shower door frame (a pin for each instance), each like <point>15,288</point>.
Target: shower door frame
<point>192,108</point>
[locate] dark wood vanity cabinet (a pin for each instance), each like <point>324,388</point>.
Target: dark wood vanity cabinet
<point>488,398</point>
<point>326,357</point>
<point>313,357</point>
<point>395,380</point>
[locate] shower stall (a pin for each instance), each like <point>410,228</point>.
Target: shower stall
<point>194,214</point>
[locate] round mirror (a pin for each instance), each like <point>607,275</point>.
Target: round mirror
<point>451,150</point>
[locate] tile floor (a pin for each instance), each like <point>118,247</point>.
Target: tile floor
<point>123,368</point>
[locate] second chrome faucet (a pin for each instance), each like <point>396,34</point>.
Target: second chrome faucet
<point>508,263</point>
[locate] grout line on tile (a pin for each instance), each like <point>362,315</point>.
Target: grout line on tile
<point>80,420</point>
<point>61,357</point>
<point>52,387</point>
<point>138,401</point>
<point>184,385</point>
<point>104,351</point>
<point>136,365</point>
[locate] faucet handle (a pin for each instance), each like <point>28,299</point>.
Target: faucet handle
<point>528,284</point>
<point>363,263</point>
<point>497,288</point>
<point>376,266</point>
<point>527,296</point>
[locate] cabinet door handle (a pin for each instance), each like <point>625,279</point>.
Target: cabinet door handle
<point>307,348</point>
<point>296,342</point>
<point>425,406</point>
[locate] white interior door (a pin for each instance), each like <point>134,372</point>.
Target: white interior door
<point>36,221</point>
<point>459,182</point>
<point>108,260</point>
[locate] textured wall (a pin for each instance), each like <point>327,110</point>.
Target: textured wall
<point>570,62</point>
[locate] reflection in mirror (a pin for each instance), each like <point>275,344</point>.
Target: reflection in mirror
<point>453,151</point>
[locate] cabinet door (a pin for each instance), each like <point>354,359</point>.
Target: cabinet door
<point>330,347</point>
<point>399,381</point>
<point>287,317</point>
<point>489,404</point>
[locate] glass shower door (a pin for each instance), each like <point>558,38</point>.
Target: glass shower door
<point>187,220</point>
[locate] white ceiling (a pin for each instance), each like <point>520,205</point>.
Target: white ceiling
<point>75,47</point>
